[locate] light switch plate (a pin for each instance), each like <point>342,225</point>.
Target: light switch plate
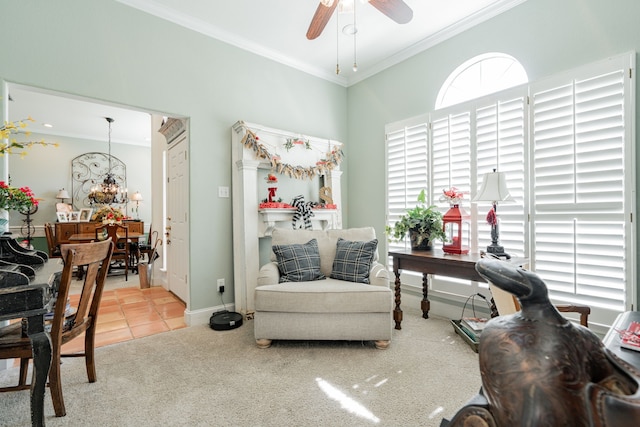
<point>223,192</point>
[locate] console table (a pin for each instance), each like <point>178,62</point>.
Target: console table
<point>64,230</point>
<point>461,266</point>
<point>30,302</point>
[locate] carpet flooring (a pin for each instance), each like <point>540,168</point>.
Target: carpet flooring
<point>196,376</point>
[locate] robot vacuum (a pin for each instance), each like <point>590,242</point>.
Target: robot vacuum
<point>225,320</point>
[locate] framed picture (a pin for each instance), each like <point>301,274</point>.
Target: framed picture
<point>74,216</point>
<point>85,214</point>
<point>62,217</point>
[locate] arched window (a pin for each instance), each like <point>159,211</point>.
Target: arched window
<point>481,75</point>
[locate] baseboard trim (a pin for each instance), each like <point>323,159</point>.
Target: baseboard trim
<point>202,316</point>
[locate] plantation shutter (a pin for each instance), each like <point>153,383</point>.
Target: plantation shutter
<point>451,136</point>
<point>501,129</point>
<point>407,170</point>
<point>581,195</point>
<point>469,140</point>
<point>451,145</point>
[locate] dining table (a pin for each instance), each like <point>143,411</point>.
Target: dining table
<point>31,302</point>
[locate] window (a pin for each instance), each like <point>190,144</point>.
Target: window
<point>581,194</point>
<point>565,145</point>
<point>407,168</point>
<point>482,75</point>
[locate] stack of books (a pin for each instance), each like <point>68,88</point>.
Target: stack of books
<point>473,326</point>
<point>630,338</point>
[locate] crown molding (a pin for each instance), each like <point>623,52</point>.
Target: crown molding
<point>200,26</point>
<point>437,38</point>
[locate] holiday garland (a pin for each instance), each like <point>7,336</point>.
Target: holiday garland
<point>333,159</point>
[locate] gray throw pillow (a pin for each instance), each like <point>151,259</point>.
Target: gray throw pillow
<point>353,260</point>
<point>298,262</point>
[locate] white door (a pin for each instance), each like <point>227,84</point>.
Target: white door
<point>177,229</point>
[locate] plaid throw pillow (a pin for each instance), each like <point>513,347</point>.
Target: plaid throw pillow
<point>298,262</point>
<point>353,260</point>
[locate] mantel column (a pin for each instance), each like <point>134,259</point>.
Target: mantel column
<point>246,251</point>
<point>332,177</point>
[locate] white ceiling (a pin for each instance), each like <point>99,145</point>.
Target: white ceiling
<point>277,30</point>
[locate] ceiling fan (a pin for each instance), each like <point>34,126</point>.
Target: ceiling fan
<point>397,10</point>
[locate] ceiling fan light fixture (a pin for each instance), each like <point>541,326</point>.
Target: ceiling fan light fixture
<point>349,29</point>
<point>355,31</point>
<point>396,10</point>
<point>346,6</point>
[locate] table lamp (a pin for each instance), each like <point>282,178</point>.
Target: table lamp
<point>137,197</point>
<point>62,206</point>
<point>62,194</point>
<point>494,190</point>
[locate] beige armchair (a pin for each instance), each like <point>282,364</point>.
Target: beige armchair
<point>324,285</point>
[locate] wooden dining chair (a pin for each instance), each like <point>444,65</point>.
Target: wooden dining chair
<point>506,304</point>
<point>118,234</point>
<point>54,250</point>
<point>67,322</point>
<point>149,247</point>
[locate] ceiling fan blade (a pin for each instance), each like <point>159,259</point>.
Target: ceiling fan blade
<point>397,10</point>
<point>320,19</point>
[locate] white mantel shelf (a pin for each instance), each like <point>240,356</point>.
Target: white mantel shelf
<point>327,218</point>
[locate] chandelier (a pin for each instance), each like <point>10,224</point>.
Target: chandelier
<point>109,192</point>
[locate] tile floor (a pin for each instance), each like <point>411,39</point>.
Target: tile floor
<point>126,311</point>
<point>129,313</point>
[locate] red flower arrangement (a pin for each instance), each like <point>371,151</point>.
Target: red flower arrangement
<point>452,195</point>
<point>18,199</point>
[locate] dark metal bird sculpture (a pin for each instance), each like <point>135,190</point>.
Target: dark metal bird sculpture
<point>539,369</point>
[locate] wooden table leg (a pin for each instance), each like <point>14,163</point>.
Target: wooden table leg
<point>41,345</point>
<point>425,305</point>
<point>397,312</point>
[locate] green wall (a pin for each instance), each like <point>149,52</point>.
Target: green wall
<point>546,36</point>
<point>108,51</point>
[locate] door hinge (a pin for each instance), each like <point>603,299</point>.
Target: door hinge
<point>630,73</point>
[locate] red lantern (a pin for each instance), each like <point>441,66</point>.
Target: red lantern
<point>457,226</point>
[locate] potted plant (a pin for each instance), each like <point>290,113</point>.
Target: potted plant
<point>424,225</point>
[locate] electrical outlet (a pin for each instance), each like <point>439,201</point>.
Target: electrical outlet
<point>221,285</point>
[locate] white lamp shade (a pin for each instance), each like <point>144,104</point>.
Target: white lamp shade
<point>62,194</point>
<point>493,189</point>
<point>136,197</point>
